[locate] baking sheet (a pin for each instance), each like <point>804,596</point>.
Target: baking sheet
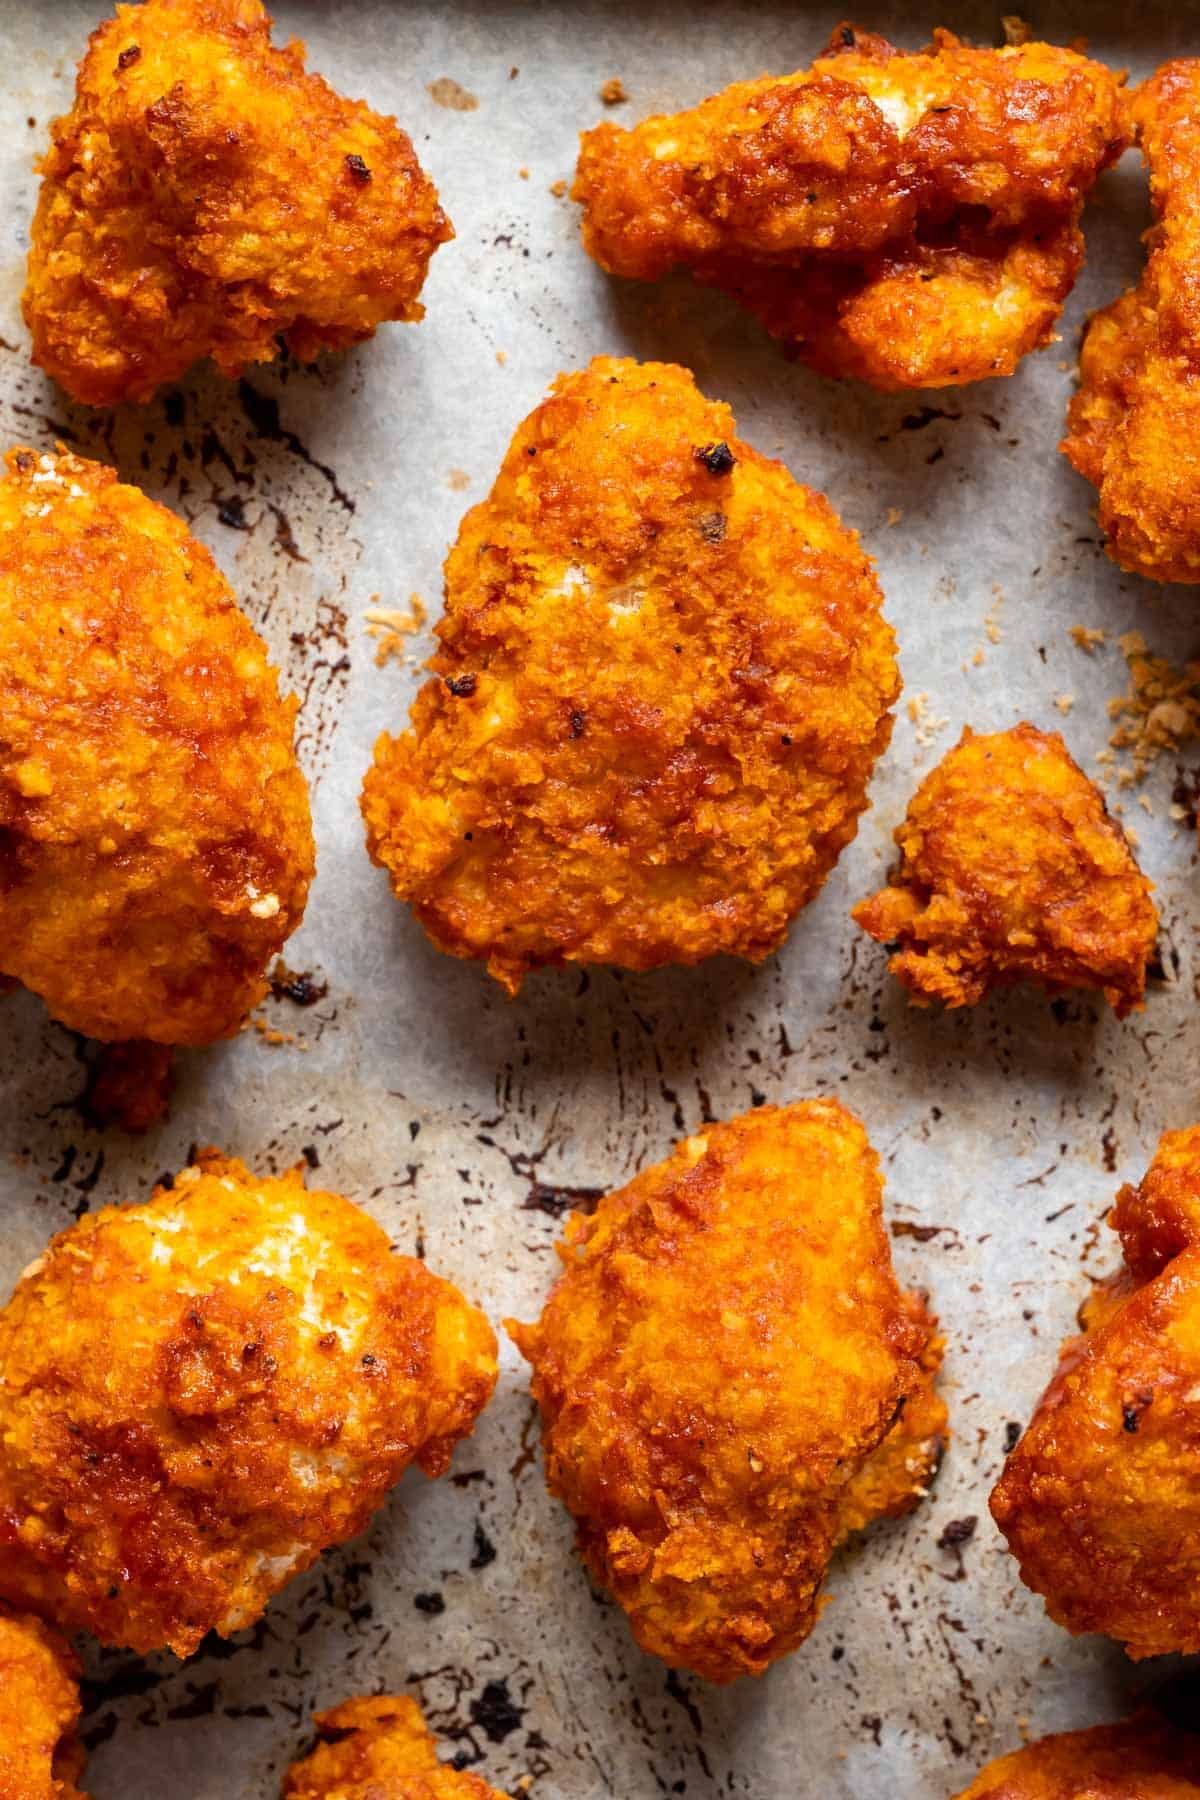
<point>464,1121</point>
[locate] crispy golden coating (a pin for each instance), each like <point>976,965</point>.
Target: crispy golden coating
<point>1133,428</point>
<point>378,1750</point>
<point>155,844</point>
<point>1100,1501</point>
<point>199,1395</point>
<point>1012,870</point>
<point>1143,1758</point>
<point>731,1381</point>
<point>912,220</point>
<point>205,196</point>
<point>40,1756</point>
<point>664,680</point>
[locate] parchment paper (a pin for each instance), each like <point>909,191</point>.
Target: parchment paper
<point>463,1121</point>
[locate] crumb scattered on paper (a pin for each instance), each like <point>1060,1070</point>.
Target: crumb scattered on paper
<point>991,627</point>
<point>270,1034</point>
<point>558,188</point>
<point>613,92</point>
<point>458,481</point>
<point>1087,637</point>
<point>452,95</point>
<point>894,515</point>
<point>502,357</point>
<point>1016,29</point>
<point>389,626</point>
<point>523,173</point>
<point>1159,711</point>
<point>1064,703</point>
<point>991,619</point>
<point>925,726</point>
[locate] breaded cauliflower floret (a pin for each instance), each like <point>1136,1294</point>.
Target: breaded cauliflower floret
<point>40,1756</point>
<point>200,1394</point>
<point>731,1381</point>
<point>664,680</point>
<point>1142,1758</point>
<point>1134,426</point>
<point>379,1750</point>
<point>155,843</point>
<point>1100,1500</point>
<point>206,197</point>
<point>909,219</point>
<point>1012,870</point>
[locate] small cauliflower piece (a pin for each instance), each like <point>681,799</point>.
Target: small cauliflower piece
<point>1012,870</point>
<point>200,1394</point>
<point>205,196</point>
<point>1100,1500</point>
<point>731,1381</point>
<point>150,797</point>
<point>1133,429</point>
<point>1142,1758</point>
<point>379,1749</point>
<point>663,683</point>
<point>908,219</point>
<point>41,1757</point>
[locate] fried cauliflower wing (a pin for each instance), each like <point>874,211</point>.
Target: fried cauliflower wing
<point>379,1750</point>
<point>1012,870</point>
<point>1143,1758</point>
<point>731,1381</point>
<point>205,197</point>
<point>1100,1500</point>
<point>40,1756</point>
<point>1133,428</point>
<point>663,682</point>
<point>908,219</point>
<point>200,1394</point>
<point>155,843</point>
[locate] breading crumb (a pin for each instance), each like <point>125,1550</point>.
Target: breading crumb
<point>926,727</point>
<point>1016,29</point>
<point>894,515</point>
<point>1064,702</point>
<point>1159,712</point>
<point>270,1034</point>
<point>452,95</point>
<point>558,188</point>
<point>390,626</point>
<point>613,92</point>
<point>991,622</point>
<point>1088,637</point>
